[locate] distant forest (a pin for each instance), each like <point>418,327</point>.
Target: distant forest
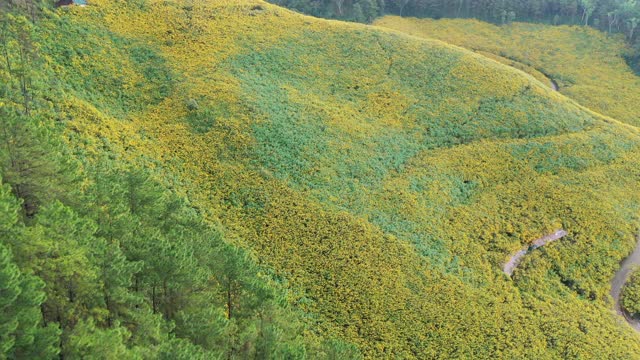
<point>613,16</point>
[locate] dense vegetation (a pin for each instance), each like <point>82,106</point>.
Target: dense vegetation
<point>99,259</point>
<point>587,65</point>
<point>232,179</point>
<point>631,295</point>
<point>612,16</point>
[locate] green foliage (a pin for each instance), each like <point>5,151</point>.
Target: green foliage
<point>355,10</point>
<point>587,66</point>
<point>180,349</point>
<point>336,349</point>
<point>110,263</point>
<point>138,78</point>
<point>62,243</point>
<point>612,16</point>
<point>259,184</point>
<point>632,56</point>
<point>21,333</point>
<point>380,179</point>
<point>631,295</point>
<point>32,159</point>
<point>86,341</point>
<point>21,296</point>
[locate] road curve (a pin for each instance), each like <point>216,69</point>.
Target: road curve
<point>618,281</point>
<point>515,259</point>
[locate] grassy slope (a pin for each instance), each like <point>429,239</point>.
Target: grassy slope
<point>587,64</point>
<point>383,178</point>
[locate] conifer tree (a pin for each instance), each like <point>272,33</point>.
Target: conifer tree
<point>22,334</point>
<point>65,259</point>
<point>87,341</point>
<point>28,160</point>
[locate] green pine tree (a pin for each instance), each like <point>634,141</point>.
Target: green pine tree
<point>22,335</point>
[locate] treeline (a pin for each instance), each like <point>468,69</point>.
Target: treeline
<point>99,259</point>
<point>613,16</point>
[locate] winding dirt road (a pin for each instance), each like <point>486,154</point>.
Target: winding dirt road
<point>515,259</point>
<point>617,283</point>
<point>620,279</point>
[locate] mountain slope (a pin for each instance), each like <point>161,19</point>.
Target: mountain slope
<point>383,178</point>
<point>587,65</point>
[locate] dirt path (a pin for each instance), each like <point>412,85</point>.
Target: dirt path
<point>617,283</point>
<point>620,279</point>
<point>515,259</point>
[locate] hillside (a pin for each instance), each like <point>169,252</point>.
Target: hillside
<point>587,64</point>
<point>378,181</point>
